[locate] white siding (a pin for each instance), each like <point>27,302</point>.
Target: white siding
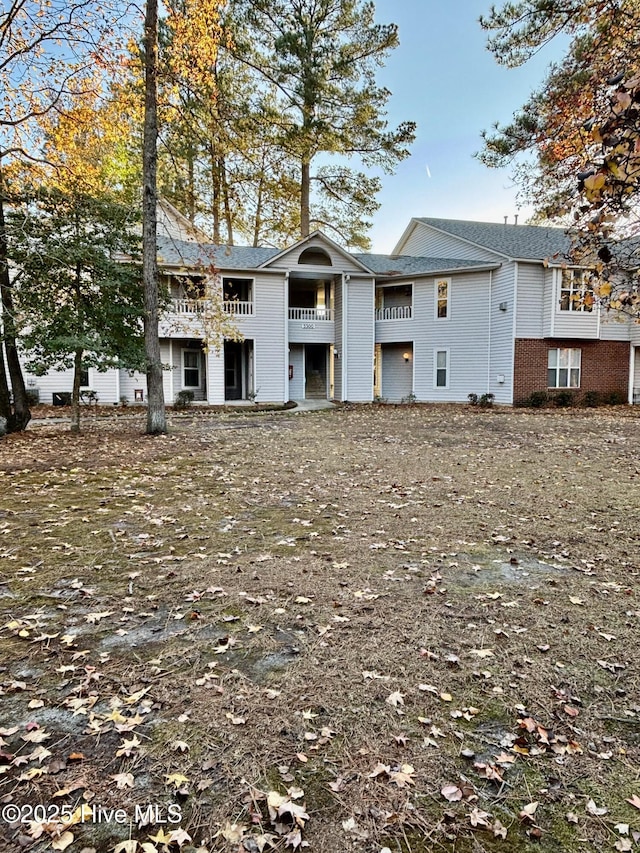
<point>388,331</point>
<point>339,261</point>
<point>529,312</point>
<point>549,303</point>
<point>360,339</point>
<point>425,242</point>
<point>465,334</point>
<point>501,325</point>
<point>615,326</point>
<point>296,360</point>
<point>129,383</point>
<point>338,360</point>
<point>268,331</point>
<point>215,377</point>
<point>397,374</point>
<point>317,332</point>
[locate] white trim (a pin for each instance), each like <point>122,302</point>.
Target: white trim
<point>245,308</point>
<point>304,371</point>
<point>632,371</point>
<point>489,331</point>
<point>171,372</point>
<point>437,350</point>
<point>186,387</point>
<point>286,388</point>
<point>436,282</point>
<point>345,343</point>
<point>514,329</point>
<point>570,366</point>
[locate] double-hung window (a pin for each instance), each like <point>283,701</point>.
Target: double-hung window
<point>441,368</point>
<point>563,368</point>
<point>442,292</point>
<point>576,293</point>
<point>191,369</point>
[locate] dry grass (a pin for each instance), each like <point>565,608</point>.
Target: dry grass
<point>433,595</point>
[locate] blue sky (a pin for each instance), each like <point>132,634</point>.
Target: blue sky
<point>443,78</point>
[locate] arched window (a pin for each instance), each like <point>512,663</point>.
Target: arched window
<point>313,256</point>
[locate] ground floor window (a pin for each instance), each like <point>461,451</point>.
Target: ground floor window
<point>564,368</point>
<point>190,369</point>
<point>441,363</point>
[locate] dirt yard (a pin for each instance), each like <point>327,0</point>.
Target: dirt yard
<point>366,629</point>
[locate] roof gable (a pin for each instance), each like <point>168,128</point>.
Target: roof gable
<point>517,242</point>
<point>341,260</point>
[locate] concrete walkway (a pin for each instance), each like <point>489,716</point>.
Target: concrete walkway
<point>312,405</point>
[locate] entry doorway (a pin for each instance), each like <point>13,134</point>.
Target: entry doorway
<point>315,371</point>
<point>238,370</point>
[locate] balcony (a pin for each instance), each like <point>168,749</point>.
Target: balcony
<point>232,307</point>
<point>311,315</point>
<point>395,312</point>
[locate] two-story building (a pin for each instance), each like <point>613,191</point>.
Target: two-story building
<point>458,308</point>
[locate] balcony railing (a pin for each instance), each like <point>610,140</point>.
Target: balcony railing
<point>397,312</point>
<point>311,315</point>
<point>197,306</point>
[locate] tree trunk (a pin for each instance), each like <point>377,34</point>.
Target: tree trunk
<point>156,415</point>
<point>75,394</point>
<point>228,218</point>
<point>305,195</point>
<point>18,415</point>
<point>215,194</point>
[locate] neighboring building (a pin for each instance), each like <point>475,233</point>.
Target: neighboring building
<point>458,308</point>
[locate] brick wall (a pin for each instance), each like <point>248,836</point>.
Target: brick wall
<point>605,366</point>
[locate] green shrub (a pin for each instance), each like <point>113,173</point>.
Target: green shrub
<point>591,399</point>
<point>473,399</point>
<point>615,398</point>
<point>564,398</point>
<point>33,396</point>
<point>486,401</point>
<point>183,399</point>
<point>537,399</point>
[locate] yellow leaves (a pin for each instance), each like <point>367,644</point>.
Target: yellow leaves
<point>175,779</point>
<point>595,182</point>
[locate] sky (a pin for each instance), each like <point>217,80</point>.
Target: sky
<point>443,78</point>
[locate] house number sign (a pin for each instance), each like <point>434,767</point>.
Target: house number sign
<point>308,325</point>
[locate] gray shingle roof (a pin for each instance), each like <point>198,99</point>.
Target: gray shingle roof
<point>181,253</point>
<point>534,242</point>
<point>409,265</point>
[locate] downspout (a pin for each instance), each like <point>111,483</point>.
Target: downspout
<point>172,371</point>
<point>489,327</point>
<point>345,343</point>
<point>287,355</point>
<point>632,371</point>
<point>514,331</point>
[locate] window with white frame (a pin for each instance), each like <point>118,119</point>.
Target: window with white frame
<point>576,292</point>
<point>442,290</point>
<point>441,368</point>
<point>190,369</point>
<point>564,367</point>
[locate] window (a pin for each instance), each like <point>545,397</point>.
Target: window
<point>441,368</point>
<point>191,368</point>
<point>84,378</point>
<point>576,294</point>
<point>442,298</point>
<point>564,368</point>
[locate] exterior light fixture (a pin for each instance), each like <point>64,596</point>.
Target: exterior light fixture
<point>406,356</point>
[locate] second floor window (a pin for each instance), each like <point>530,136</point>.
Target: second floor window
<point>576,293</point>
<point>442,298</point>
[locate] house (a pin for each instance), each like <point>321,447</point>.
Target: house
<point>459,307</point>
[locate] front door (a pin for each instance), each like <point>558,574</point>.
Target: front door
<point>232,370</point>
